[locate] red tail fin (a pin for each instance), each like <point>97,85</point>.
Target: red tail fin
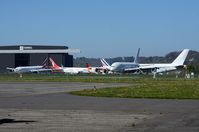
<point>54,65</point>
<point>88,65</point>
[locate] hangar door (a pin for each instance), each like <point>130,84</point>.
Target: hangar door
<point>22,60</point>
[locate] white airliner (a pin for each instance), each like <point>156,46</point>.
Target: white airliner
<point>28,69</point>
<point>156,68</point>
<point>165,67</point>
<point>119,67</point>
<point>73,70</point>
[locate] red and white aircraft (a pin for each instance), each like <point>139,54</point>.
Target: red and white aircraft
<point>73,70</point>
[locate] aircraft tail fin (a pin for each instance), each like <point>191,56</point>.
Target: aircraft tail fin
<point>181,58</point>
<point>88,65</point>
<point>44,64</point>
<point>136,60</point>
<point>54,65</point>
<point>104,63</point>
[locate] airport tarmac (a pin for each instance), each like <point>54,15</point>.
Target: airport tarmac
<point>44,107</point>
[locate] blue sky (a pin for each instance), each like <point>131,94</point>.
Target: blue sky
<point>103,28</point>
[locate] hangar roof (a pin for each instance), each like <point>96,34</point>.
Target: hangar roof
<point>36,49</point>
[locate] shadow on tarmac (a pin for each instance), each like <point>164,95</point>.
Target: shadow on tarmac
<point>8,120</point>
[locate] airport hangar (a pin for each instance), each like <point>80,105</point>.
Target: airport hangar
<point>32,55</point>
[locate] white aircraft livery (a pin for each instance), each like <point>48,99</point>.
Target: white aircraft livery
<point>164,67</point>
<point>72,70</point>
<point>28,69</point>
<point>156,68</point>
<point>121,66</point>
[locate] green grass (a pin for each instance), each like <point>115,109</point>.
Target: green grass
<point>68,78</point>
<point>143,86</point>
<point>149,88</point>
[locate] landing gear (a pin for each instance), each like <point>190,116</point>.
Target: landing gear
<point>20,75</point>
<point>154,75</point>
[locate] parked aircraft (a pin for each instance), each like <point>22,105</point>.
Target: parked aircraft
<point>72,70</point>
<point>119,67</point>
<point>165,67</point>
<point>97,70</point>
<point>155,68</point>
<point>30,69</point>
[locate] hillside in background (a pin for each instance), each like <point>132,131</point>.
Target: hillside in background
<point>192,58</point>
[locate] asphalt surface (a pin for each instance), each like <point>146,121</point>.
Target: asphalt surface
<point>47,107</point>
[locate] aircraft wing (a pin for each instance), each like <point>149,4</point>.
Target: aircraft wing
<point>156,68</point>
<point>131,69</point>
<point>144,67</point>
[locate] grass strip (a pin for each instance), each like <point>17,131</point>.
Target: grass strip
<point>159,89</point>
